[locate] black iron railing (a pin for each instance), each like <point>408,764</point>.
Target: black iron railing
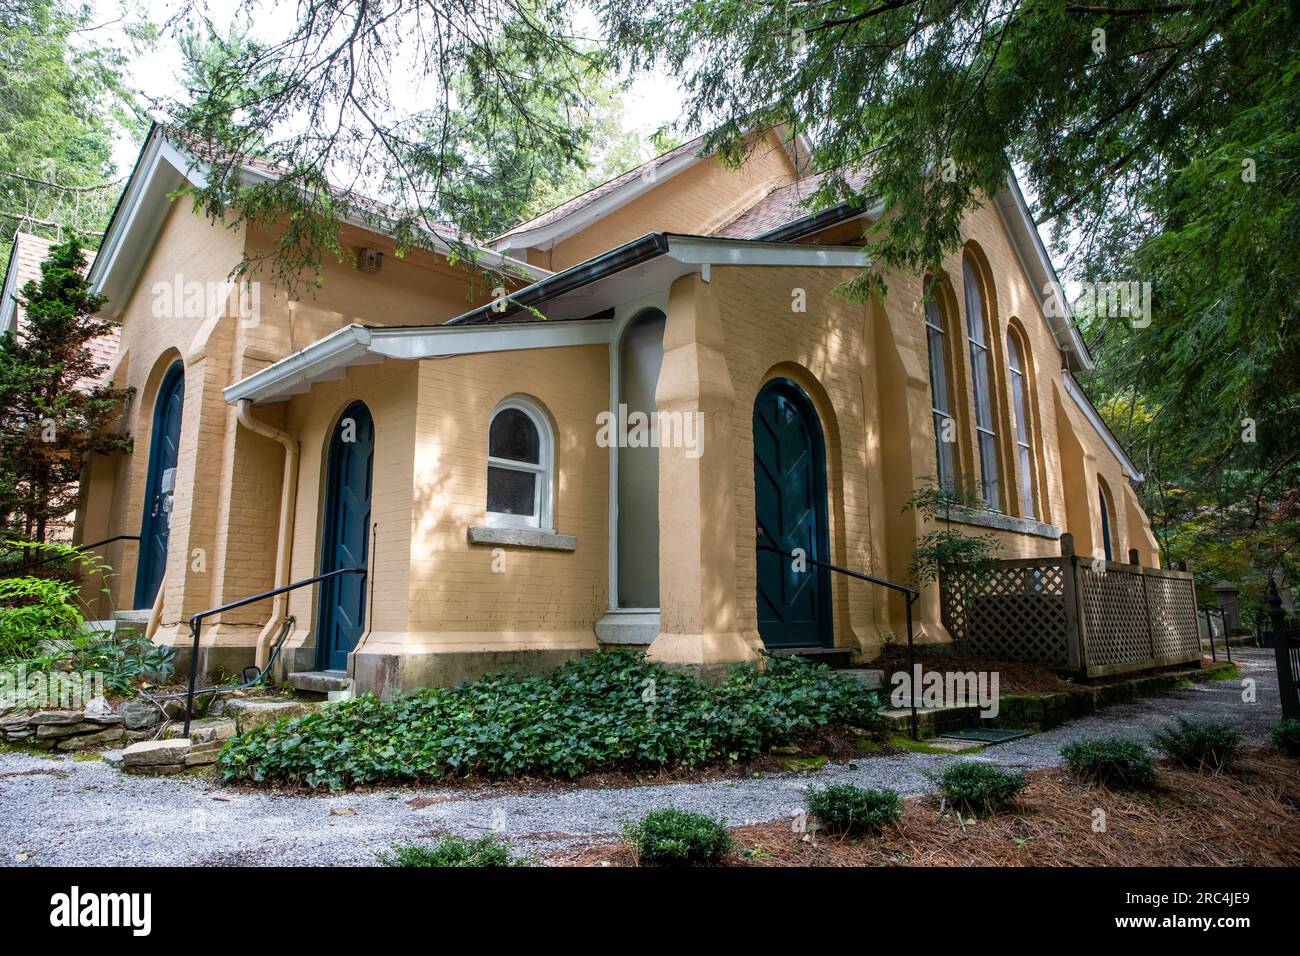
<point>909,594</point>
<point>65,555</point>
<point>196,622</point>
<point>1209,631</point>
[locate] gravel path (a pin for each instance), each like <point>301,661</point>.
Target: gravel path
<point>59,811</point>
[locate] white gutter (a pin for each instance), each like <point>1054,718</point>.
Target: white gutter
<point>284,539</point>
<point>1094,419</point>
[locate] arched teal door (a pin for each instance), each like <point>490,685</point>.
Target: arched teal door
<point>790,504</point>
<point>346,536</point>
<point>160,485</point>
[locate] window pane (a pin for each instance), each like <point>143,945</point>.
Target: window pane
<point>513,436</point>
<point>511,492</point>
<point>989,471</point>
<point>943,451</point>
<point>1026,484</point>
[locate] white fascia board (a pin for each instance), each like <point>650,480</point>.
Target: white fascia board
<point>359,345</point>
<point>1100,426</point>
<point>1038,267</point>
<point>551,233</point>
<point>695,250</point>
<point>8,307</point>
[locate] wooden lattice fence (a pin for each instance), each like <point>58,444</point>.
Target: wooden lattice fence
<point>1073,613</point>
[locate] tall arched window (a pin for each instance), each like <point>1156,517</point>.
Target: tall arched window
<point>1107,519</point>
<point>1016,362</point>
<point>520,476</point>
<point>945,431</point>
<point>981,380</point>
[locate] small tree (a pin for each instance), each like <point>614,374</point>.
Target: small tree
<point>947,551</point>
<point>53,415</point>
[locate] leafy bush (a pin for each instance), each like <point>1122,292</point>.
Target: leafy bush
<point>36,613</point>
<point>1199,744</point>
<point>490,850</point>
<point>1286,736</point>
<point>672,837</point>
<point>853,811</point>
<point>604,712</point>
<point>1110,762</point>
<point>980,788</point>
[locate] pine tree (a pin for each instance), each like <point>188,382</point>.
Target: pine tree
<point>53,415</point>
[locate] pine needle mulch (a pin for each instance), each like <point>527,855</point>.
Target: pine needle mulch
<point>1249,817</point>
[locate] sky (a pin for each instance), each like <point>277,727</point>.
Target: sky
<point>653,101</point>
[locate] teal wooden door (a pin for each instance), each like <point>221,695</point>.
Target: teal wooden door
<point>346,537</point>
<point>160,485</point>
<point>790,504</point>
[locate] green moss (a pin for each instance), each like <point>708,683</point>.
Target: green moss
<point>90,757</point>
<point>804,764</point>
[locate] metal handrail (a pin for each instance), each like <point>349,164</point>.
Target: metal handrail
<point>10,572</point>
<point>196,621</point>
<point>911,594</point>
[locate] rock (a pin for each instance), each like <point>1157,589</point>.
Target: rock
<point>204,730</point>
<point>138,714</point>
<point>257,711</point>
<point>98,707</point>
<point>14,722</point>
<point>19,734</point>
<point>113,758</point>
<point>156,770</point>
<point>203,754</point>
<point>155,753</point>
<point>804,764</point>
<point>92,741</point>
<point>46,731</point>
<point>132,736</point>
<point>56,717</point>
<point>175,709</point>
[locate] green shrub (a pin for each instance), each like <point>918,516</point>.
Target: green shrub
<point>1110,762</point>
<point>845,809</point>
<point>36,613</point>
<point>672,837</point>
<point>980,788</point>
<point>1204,745</point>
<point>1286,736</point>
<point>490,850</point>
<point>604,712</point>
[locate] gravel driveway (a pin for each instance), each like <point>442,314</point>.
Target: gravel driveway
<point>59,811</point>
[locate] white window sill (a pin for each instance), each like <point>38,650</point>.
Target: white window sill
<point>1001,522</point>
<point>523,538</point>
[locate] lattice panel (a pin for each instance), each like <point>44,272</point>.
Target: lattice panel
<point>1013,613</point>
<point>1174,628</point>
<point>1115,618</point>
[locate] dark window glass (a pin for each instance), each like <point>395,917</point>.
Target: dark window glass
<point>514,437</point>
<point>511,492</point>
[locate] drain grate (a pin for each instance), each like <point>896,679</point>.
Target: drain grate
<point>985,736</point>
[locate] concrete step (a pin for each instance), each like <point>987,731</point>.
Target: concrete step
<point>869,679</point>
<point>836,658</point>
<point>320,682</point>
<point>138,620</point>
<point>945,718</point>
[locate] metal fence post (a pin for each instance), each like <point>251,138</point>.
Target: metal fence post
<point>1286,676</point>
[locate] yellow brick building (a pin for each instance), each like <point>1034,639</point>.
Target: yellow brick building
<point>468,452</point>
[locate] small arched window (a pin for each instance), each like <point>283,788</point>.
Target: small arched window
<point>981,379</point>
<point>520,477</point>
<point>1016,362</point>
<point>945,431</point>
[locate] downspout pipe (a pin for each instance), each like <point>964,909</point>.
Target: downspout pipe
<point>284,542</point>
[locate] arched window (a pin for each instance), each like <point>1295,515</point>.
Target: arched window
<point>981,380</point>
<point>945,431</point>
<point>1016,362</point>
<point>520,476</point>
<point>1107,516</point>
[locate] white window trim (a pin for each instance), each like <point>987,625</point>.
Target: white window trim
<point>543,488</point>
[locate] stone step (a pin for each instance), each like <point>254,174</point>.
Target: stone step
<point>254,711</point>
<point>836,658</point>
<point>868,678</point>
<point>320,682</point>
<point>946,718</point>
<point>139,620</point>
